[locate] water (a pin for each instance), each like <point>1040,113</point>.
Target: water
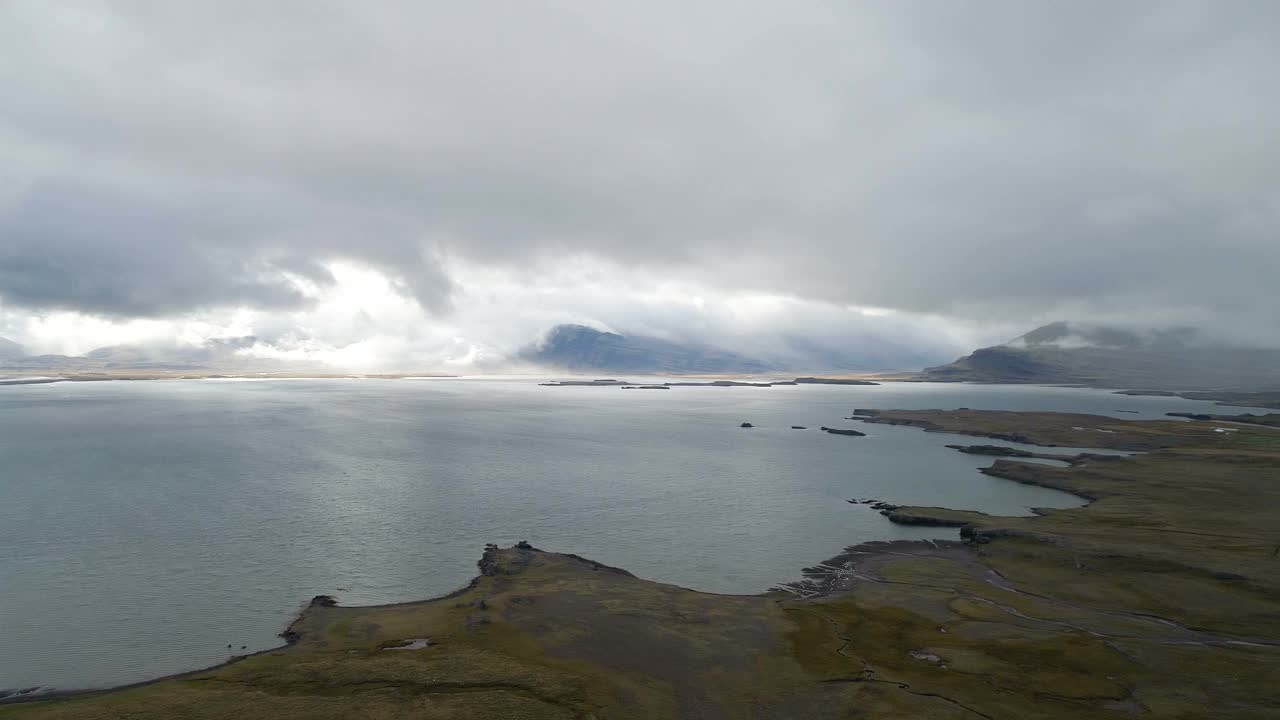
<point>144,526</point>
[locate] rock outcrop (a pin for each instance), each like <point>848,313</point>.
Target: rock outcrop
<point>843,431</point>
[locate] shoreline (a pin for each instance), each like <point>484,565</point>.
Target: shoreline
<point>292,637</point>
<point>289,635</point>
<point>910,581</point>
<point>866,551</point>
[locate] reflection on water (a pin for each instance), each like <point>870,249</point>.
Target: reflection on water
<point>144,527</point>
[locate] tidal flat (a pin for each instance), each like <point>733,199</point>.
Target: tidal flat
<point>1159,597</point>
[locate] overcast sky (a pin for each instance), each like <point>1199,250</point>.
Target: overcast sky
<point>429,183</point>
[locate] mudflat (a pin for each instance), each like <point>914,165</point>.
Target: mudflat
<point>1160,598</point>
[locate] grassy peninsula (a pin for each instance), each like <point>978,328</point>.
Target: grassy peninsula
<point>1161,598</point>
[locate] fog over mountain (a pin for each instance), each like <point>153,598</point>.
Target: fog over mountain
<point>435,185</point>
<point>576,348</point>
<point>1140,358</point>
<point>585,349</point>
<point>10,350</point>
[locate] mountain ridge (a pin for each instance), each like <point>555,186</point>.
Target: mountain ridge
<point>582,348</point>
<point>1106,356</point>
<point>215,354</point>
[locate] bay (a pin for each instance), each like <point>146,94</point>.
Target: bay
<point>146,526</point>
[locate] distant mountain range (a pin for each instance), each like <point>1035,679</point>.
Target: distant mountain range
<point>1103,356</point>
<point>214,355</point>
<point>574,348</point>
<point>1058,353</point>
<point>580,348</point>
<point>584,349</point>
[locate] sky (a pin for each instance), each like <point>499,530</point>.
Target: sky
<point>393,184</point>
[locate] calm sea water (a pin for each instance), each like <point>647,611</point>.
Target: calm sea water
<point>144,526</point>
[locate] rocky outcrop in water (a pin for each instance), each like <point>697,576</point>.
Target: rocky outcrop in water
<point>843,431</point>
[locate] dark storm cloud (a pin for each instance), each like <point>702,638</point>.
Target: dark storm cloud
<point>1005,160</point>
<point>68,248</point>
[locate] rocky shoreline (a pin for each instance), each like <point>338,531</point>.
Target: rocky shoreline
<point>866,553</point>
<point>291,635</point>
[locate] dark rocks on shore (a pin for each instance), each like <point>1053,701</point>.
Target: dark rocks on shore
<point>974,534</point>
<point>927,520</point>
<point>524,545</point>
<point>323,601</point>
<point>842,431</point>
<point>488,562</point>
<point>654,387</point>
<point>798,427</point>
<point>993,450</point>
<point>746,425</point>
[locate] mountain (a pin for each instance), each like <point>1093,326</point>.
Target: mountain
<point>577,347</point>
<point>1104,356</point>
<point>10,350</point>
<point>217,354</point>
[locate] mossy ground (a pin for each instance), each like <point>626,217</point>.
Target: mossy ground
<point>1162,598</point>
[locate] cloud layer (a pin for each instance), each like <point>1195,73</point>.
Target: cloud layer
<point>991,164</point>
